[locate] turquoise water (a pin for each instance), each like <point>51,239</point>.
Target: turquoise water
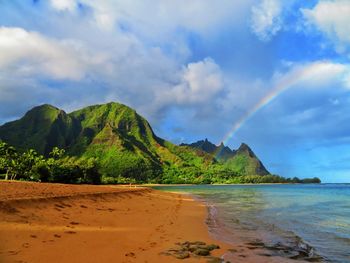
<point>316,215</point>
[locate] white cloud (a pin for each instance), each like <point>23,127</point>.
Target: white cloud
<point>266,19</point>
<point>126,71</point>
<point>200,82</point>
<point>30,53</point>
<point>333,19</point>
<point>136,53</point>
<point>158,18</point>
<point>64,4</point>
<point>312,75</point>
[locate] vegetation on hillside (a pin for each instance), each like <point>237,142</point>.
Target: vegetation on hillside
<point>111,143</point>
<point>58,168</point>
<point>31,166</point>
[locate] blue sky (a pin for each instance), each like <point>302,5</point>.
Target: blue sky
<point>193,69</point>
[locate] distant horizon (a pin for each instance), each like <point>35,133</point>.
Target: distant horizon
<point>274,74</point>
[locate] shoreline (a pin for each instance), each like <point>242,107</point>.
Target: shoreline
<point>247,250</point>
<point>41,222</point>
<point>117,224</point>
<point>240,250</point>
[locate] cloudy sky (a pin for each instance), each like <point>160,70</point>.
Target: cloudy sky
<point>272,73</point>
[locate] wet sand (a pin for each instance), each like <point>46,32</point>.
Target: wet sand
<point>78,223</point>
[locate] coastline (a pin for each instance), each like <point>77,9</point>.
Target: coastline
<point>43,223</point>
<point>240,250</point>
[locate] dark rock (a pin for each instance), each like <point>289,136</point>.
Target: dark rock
<point>212,247</point>
<point>198,243</point>
<point>202,252</point>
<point>192,249</point>
<point>181,254</point>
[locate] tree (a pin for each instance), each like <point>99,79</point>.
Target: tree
<point>57,153</point>
<point>8,160</point>
<point>29,163</point>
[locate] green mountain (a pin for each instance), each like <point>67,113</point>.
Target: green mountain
<point>41,128</point>
<point>121,140</point>
<point>242,161</point>
<point>125,147</point>
<point>247,162</point>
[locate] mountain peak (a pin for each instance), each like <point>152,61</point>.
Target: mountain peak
<point>114,105</point>
<point>244,148</point>
<point>39,128</point>
<point>47,106</point>
<point>204,145</point>
<point>43,108</point>
<point>44,112</point>
<point>220,152</point>
<point>243,160</point>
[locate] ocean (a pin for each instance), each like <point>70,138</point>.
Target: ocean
<point>300,221</point>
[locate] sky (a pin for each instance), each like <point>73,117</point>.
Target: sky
<point>274,74</point>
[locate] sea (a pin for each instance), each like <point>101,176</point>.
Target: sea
<point>299,221</point>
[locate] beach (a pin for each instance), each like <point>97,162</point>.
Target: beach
<point>42,222</point>
<point>78,223</point>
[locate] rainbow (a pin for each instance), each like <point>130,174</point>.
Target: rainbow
<point>288,81</point>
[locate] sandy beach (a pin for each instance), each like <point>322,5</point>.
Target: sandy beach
<point>71,223</point>
<point>80,223</point>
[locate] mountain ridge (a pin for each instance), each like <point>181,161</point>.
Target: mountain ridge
<point>220,152</point>
<point>125,145</point>
<point>233,158</point>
